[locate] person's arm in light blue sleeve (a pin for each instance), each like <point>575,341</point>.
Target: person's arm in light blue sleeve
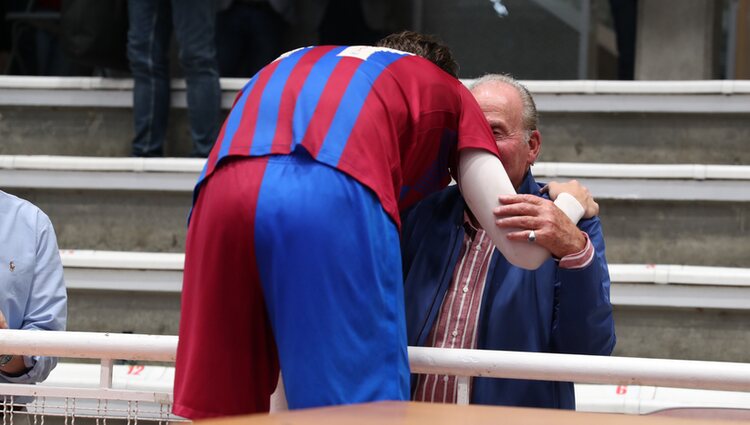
<point>47,305</point>
<point>584,322</point>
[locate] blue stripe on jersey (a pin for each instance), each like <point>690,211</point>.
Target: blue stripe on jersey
<point>310,93</point>
<point>351,104</point>
<point>234,120</point>
<point>268,109</point>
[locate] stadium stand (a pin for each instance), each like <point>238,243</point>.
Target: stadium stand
<point>667,161</point>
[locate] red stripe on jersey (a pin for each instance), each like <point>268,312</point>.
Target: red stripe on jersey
<point>321,120</point>
<point>243,138</point>
<point>282,139</point>
<point>214,154</point>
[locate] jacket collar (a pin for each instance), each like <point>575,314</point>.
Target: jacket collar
<point>529,186</point>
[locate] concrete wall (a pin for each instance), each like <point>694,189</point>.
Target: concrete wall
<point>677,39</point>
<point>529,43</point>
<point>688,334</point>
<point>567,137</point>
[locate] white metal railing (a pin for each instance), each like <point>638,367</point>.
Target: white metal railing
<point>461,363</point>
<point>653,285</point>
<point>645,273</point>
<point>725,87</point>
<point>678,182</point>
<point>547,169</point>
<point>106,347</point>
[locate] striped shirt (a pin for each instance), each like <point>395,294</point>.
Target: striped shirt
<point>456,324</point>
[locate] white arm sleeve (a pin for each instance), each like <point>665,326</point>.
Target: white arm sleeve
<point>482,179</point>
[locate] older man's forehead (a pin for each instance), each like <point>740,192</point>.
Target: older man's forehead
<point>499,101</point>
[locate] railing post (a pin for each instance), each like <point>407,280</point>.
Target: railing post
<point>105,374</point>
<point>462,385</point>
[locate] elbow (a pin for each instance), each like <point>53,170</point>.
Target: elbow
<point>523,255</point>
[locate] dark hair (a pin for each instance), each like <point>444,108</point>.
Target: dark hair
<point>426,46</point>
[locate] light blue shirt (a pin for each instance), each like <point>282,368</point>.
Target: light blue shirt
<point>32,289</point>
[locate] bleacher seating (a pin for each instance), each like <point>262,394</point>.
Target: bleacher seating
<point>667,161</point>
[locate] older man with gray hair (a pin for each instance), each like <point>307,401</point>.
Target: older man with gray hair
<point>462,293</point>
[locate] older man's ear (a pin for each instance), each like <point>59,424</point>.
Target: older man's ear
<point>535,146</point>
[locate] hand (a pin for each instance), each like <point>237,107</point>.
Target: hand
<point>554,230</point>
<point>3,322</point>
<point>578,191</point>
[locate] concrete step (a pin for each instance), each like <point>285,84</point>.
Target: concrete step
<point>672,214</point>
<point>661,311</point>
<point>700,233</point>
<point>581,121</point>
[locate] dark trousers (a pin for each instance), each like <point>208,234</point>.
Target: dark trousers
<point>151,24</point>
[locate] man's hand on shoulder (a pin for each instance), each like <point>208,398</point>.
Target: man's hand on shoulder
<point>552,228</point>
<point>578,191</point>
<point>3,322</point>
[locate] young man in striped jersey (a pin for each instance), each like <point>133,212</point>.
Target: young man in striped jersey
<point>292,256</point>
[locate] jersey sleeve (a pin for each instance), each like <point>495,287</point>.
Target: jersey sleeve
<point>473,130</point>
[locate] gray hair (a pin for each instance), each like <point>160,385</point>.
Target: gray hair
<point>530,116</point>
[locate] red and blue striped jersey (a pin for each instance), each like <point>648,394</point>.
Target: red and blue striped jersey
<point>391,120</point>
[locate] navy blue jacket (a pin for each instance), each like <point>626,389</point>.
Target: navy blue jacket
<point>546,310</point>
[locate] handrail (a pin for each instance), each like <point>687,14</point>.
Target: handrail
<point>89,345</point>
<point>535,86</point>
<point>631,273</point>
<point>460,362</point>
<point>540,169</point>
<point>91,163</point>
<point>579,368</point>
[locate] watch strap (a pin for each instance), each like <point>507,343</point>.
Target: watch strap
<point>5,359</point>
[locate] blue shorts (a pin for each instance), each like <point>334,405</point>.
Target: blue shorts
<point>326,258</point>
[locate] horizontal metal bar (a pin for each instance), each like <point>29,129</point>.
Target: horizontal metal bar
<point>98,163</point>
<point>498,364</point>
<point>653,285</point>
<point>124,280</point>
<point>644,273</point>
<point>578,368</point>
<point>536,86</point>
<point>680,296</point>
<point>680,274</point>
<point>82,258</point>
<point>665,190</point>
<point>98,180</point>
<point>645,103</point>
<point>78,392</point>
<point>89,345</point>
<point>642,171</point>
<point>546,169</point>
<point>621,188</point>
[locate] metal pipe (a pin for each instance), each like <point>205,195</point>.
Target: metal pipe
<point>585,369</point>
<point>498,364</point>
<point>89,345</point>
